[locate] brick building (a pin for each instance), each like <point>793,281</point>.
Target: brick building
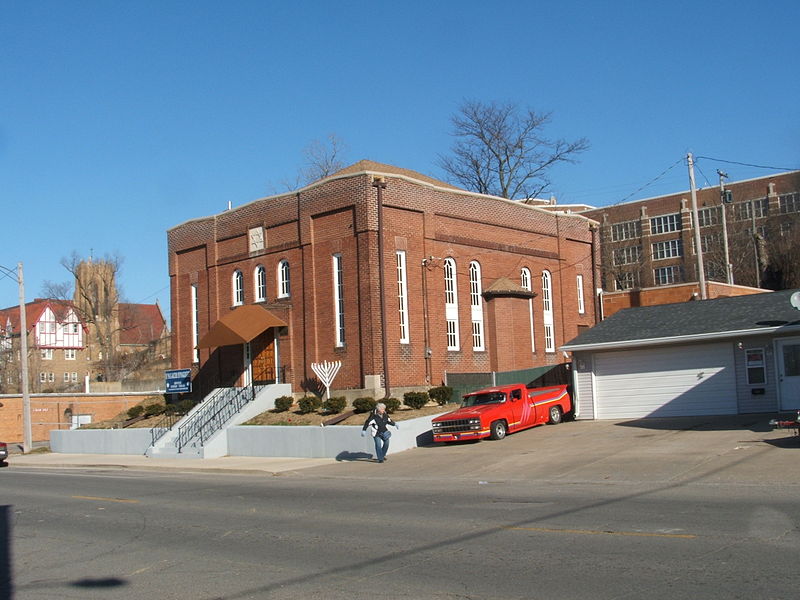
<point>470,283</point>
<point>648,243</point>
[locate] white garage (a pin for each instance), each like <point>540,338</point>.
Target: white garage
<point>665,382</point>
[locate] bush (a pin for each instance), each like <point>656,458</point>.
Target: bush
<point>135,411</point>
<point>309,404</point>
<point>283,403</point>
<point>362,405</point>
<point>151,410</point>
<point>441,394</point>
<point>392,404</point>
<point>415,400</point>
<point>334,405</point>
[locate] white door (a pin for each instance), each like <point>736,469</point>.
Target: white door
<point>666,382</point>
<point>788,358</point>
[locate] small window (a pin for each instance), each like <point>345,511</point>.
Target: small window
<point>756,371</point>
<point>66,377</point>
<point>70,354</point>
<point>47,354</point>
<point>238,288</point>
<point>581,307</point>
<point>260,278</point>
<point>284,289</point>
<point>42,377</point>
<point>74,377</point>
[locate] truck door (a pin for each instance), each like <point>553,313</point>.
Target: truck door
<point>520,409</point>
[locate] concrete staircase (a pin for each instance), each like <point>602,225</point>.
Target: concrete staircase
<point>203,432</point>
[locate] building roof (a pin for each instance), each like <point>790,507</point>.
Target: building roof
<point>692,321</point>
<point>503,286</point>
<point>140,323</point>
<point>370,166</point>
<point>33,312</point>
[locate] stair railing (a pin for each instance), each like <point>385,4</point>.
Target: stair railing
<point>215,412</point>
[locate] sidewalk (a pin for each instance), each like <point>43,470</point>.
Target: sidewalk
<point>227,464</point>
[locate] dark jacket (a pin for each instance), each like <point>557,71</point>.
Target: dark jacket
<point>378,422</point>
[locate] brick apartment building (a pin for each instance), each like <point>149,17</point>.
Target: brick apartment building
<point>648,243</point>
<point>470,283</point>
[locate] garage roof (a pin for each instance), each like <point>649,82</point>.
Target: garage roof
<point>690,321</point>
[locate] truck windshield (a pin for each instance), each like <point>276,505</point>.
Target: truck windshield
<point>486,398</point>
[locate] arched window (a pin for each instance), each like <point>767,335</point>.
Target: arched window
<point>284,291</point>
<point>260,279</point>
<point>476,305</point>
<point>547,312</point>
<point>238,288</point>
<point>525,283</point>
<point>451,304</point>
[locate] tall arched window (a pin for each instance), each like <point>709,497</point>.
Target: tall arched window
<point>284,290</point>
<point>451,304</point>
<point>476,305</point>
<point>525,283</point>
<point>237,285</point>
<point>260,279</point>
<point>547,312</point>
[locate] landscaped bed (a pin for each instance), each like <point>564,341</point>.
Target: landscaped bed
<point>293,417</point>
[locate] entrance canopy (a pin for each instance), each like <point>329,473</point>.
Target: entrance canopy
<point>241,325</point>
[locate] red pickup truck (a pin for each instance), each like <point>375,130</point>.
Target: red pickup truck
<point>496,411</point>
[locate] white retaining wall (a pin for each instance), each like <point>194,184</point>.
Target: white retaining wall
<point>100,441</point>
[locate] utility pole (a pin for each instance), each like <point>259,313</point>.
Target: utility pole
<point>755,242</point>
<point>27,434</point>
<point>723,197</point>
<point>701,273</point>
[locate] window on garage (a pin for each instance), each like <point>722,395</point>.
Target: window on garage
<point>756,370</point>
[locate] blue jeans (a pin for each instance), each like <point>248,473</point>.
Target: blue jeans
<point>382,444</point>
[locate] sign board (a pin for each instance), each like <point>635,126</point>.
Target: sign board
<point>178,381</point>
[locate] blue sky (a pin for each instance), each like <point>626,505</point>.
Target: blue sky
<point>119,120</point>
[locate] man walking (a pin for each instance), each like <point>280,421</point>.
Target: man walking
<point>378,421</point>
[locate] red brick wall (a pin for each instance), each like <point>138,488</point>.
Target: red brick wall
<point>340,216</point>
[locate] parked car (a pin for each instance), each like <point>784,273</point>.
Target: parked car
<point>3,452</point>
<point>494,412</point>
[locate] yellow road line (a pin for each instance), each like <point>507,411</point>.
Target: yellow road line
<point>123,500</point>
<point>682,536</point>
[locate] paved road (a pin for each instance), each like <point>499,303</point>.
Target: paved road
<point>362,530</point>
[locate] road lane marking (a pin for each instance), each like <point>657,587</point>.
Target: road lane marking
<point>681,536</point>
<point>99,499</point>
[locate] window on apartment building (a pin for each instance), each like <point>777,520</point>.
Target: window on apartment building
<point>70,354</point>
<point>789,203</point>
<point>581,306</point>
<point>667,249</point>
<point>547,312</point>
<point>47,354</point>
<point>338,299</point>
<point>627,255</point>
<point>51,377</point>
<point>665,223</point>
<point>710,242</point>
<point>74,377</point>
<point>66,377</point>
<point>525,283</point>
<point>476,305</point>
<point>238,288</point>
<point>284,289</point>
<point>708,216</point>
<point>626,231</point>
<point>668,275</point>
<point>745,210</point>
<point>260,279</point>
<point>786,228</point>
<point>195,325</point>
<point>626,280</point>
<point>402,296</point>
<point>42,377</point>
<point>451,304</point>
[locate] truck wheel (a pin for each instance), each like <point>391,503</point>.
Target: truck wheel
<point>555,415</point>
<point>497,430</point>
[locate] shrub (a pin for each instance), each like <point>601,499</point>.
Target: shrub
<point>283,403</point>
<point>334,405</point>
<point>135,411</point>
<point>362,405</point>
<point>392,404</point>
<point>186,405</point>
<point>441,394</point>
<point>309,404</point>
<point>415,400</point>
<point>151,410</point>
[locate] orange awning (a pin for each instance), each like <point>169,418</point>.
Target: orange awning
<point>241,325</point>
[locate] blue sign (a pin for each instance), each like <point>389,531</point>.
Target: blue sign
<point>178,381</point>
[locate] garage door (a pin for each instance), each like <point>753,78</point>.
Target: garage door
<point>666,382</point>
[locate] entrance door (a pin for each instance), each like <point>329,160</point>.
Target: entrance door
<point>263,358</point>
<point>788,358</point>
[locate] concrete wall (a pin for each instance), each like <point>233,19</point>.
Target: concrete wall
<point>100,441</point>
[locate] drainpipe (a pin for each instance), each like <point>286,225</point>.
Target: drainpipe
<point>379,183</point>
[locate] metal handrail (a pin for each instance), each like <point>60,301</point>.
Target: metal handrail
<point>218,410</point>
<point>166,423</point>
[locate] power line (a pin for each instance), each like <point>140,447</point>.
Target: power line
<point>652,181</point>
<point>733,162</point>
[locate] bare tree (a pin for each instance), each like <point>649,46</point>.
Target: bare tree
<point>501,150</point>
<point>321,158</point>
